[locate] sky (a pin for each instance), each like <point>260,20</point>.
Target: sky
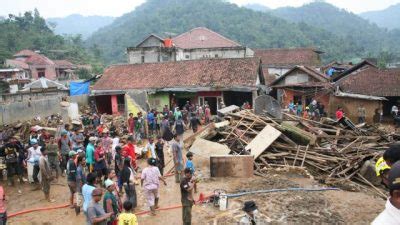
<point>61,8</point>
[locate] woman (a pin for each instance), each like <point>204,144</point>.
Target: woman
<point>151,182</point>
<point>100,162</point>
<point>110,202</point>
<point>128,181</point>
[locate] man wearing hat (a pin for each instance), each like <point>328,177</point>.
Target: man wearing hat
<point>391,214</point>
<point>250,218</point>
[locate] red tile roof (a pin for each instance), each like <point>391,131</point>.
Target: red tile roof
<point>17,64</point>
<point>33,58</point>
<point>214,73</point>
<point>64,63</point>
<point>202,37</point>
<point>372,81</point>
<point>289,56</point>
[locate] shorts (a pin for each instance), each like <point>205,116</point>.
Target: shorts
<point>13,169</point>
<point>151,195</point>
<point>72,187</point>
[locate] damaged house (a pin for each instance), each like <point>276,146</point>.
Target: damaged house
<point>125,88</point>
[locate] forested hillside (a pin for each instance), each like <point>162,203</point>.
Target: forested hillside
<point>254,29</point>
<point>388,18</point>
<point>30,31</point>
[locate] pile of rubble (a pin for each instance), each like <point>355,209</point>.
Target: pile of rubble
<point>326,149</point>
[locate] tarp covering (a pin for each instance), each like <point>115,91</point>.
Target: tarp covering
<point>79,88</point>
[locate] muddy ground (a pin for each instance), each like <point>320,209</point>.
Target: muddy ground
<point>331,207</point>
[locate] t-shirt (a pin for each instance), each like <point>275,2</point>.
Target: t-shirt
<point>52,150</point>
<point>179,127</point>
<point>150,118</point>
<point>71,171</point>
<point>150,176</point>
<point>64,145</point>
<point>339,115</point>
<point>190,165</point>
<point>95,210</point>
<point>87,195</point>
<point>10,152</point>
<point>34,155</point>
<point>177,152</point>
<point>186,194</point>
<point>127,219</point>
<point>90,154</point>
<point>389,216</point>
<point>109,195</point>
<point>150,150</point>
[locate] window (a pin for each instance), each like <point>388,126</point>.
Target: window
<point>41,74</point>
<point>165,58</point>
<point>216,55</point>
<point>142,58</point>
<point>187,56</point>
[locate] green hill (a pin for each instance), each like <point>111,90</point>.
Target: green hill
<point>388,18</point>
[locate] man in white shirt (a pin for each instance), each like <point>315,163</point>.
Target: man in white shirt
<point>391,214</point>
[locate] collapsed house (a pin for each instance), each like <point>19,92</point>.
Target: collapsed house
<point>123,88</point>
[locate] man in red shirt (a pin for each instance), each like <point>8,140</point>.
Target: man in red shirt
<point>339,113</point>
<point>129,151</point>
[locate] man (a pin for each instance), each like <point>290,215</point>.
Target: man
<point>207,112</point>
<point>361,114</point>
<point>90,153</point>
<point>10,151</point>
<point>179,128</point>
<point>382,171</point>
<point>53,155</point>
<point>395,110</point>
<point>177,113</point>
<point>77,140</point>
<point>45,173</point>
<point>339,114</point>
<point>391,214</point>
<point>87,190</point>
<point>71,176</point>
<point>131,124</point>
<point>150,149</point>
<point>34,154</point>
<point>129,151</point>
<point>177,157</point>
<point>107,146</point>
<point>250,208</point>
<point>151,122</point>
<point>187,186</point>
<point>65,146</point>
<point>95,212</point>
<point>392,155</point>
<point>194,122</point>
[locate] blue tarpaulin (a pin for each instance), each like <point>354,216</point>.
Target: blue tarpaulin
<point>79,88</point>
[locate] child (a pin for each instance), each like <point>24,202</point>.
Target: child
<point>190,165</point>
<point>127,217</point>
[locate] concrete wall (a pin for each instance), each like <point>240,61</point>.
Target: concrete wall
<point>82,100</point>
<point>194,54</point>
<point>277,70</point>
<point>159,100</point>
<point>151,55</point>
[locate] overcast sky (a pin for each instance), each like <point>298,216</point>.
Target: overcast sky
<point>61,8</point>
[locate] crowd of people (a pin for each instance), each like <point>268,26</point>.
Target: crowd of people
<point>314,111</point>
<point>101,167</point>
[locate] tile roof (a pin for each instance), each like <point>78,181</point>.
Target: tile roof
<point>289,56</point>
<point>33,58</point>
<point>214,73</point>
<point>308,70</point>
<point>64,63</point>
<point>17,64</point>
<point>202,37</point>
<point>352,69</point>
<point>372,81</point>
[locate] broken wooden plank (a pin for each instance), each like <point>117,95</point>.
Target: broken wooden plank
<point>262,141</point>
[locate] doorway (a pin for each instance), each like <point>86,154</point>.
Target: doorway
<point>212,102</point>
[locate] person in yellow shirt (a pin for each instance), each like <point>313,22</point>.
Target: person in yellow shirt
<point>127,217</point>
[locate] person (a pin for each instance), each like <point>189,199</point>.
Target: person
<point>100,162</point>
<point>118,164</point>
<point>177,113</point>
<point>127,217</point>
<point>95,212</point>
<point>194,122</point>
<point>53,155</point>
<point>166,132</point>
<point>299,109</point>
<point>394,111</point>
<point>339,113</point>
<point>113,177</point>
<point>131,124</point>
<point>179,127</point>
<point>151,122</point>
<point>150,149</point>
<point>160,154</point>
<point>177,158</point>
<point>87,190</point>
<point>361,114</point>
<point>391,214</point>
<point>187,186</point>
<point>189,164</point>
<point>71,176</point>
<point>34,154</point>
<point>110,203</point>
<point>128,181</point>
<point>251,216</point>
<point>65,146</point>
<point>107,146</point>
<point>185,115</point>
<point>150,181</point>
<point>90,154</point>
<point>77,140</point>
<point>80,180</point>
<point>129,151</point>
<point>10,151</point>
<point>3,209</point>
<point>392,155</point>
<point>207,112</point>
<point>291,107</point>
<point>45,173</point>
<point>382,171</point>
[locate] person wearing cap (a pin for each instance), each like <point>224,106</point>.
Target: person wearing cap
<point>45,173</point>
<point>187,200</point>
<point>251,210</point>
<point>71,176</point>
<point>90,153</point>
<point>95,212</point>
<point>65,145</point>
<point>34,154</point>
<point>382,170</point>
<point>391,214</point>
<point>110,203</point>
<point>150,181</point>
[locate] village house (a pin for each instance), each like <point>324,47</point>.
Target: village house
<point>198,43</point>
<point>125,88</point>
<point>279,61</point>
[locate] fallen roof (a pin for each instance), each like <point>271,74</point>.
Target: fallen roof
<point>289,56</point>
<point>202,37</point>
<point>359,96</point>
<point>372,81</point>
<point>184,75</point>
<point>308,70</point>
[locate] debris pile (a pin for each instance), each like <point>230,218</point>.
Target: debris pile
<point>326,149</point>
